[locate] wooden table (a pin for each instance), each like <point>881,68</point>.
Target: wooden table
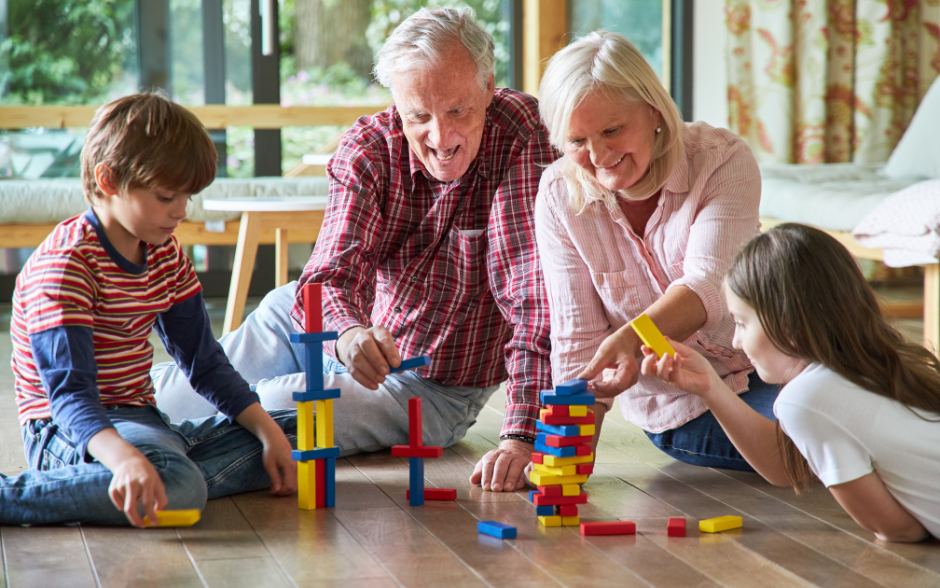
<point>282,214</point>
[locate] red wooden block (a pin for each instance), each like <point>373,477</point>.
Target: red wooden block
<point>313,308</point>
<point>557,409</point>
<point>414,422</point>
<point>541,500</point>
<point>421,451</point>
<point>567,420</point>
<point>582,450</point>
<point>321,481</point>
<point>568,510</point>
<point>559,441</point>
<point>609,528</point>
<point>537,457</point>
<point>550,490</point>
<point>676,528</point>
<point>436,494</point>
<point>585,469</point>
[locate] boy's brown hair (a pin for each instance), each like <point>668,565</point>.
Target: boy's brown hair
<point>148,141</point>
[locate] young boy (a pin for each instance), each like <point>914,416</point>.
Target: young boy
<point>84,305</point>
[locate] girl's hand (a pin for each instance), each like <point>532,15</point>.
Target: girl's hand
<point>688,371</point>
<point>617,352</point>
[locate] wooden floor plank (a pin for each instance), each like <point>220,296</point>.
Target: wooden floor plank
<point>243,573</point>
<point>46,556</point>
<point>139,557</point>
<point>222,533</point>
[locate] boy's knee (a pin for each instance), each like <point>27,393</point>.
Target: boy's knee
<point>184,483</point>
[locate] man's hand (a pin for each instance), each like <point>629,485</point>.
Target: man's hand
<point>135,482</point>
<point>368,354</point>
<point>617,352</point>
<point>503,469</point>
<point>276,455</point>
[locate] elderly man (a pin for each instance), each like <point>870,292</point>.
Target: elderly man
<point>428,247</point>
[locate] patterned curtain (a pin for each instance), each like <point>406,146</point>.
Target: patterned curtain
<point>825,81</point>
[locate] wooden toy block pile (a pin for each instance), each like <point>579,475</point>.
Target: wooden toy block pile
<point>562,459</point>
<point>416,453</point>
<point>316,455</point>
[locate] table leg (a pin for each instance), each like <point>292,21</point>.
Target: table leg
<point>280,264</point>
<point>246,250</point>
<point>932,307</point>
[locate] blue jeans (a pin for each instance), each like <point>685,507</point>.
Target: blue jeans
<point>197,460</point>
<point>363,420</point>
<point>703,442</point>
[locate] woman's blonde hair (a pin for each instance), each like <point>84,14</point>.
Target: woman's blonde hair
<point>606,62</point>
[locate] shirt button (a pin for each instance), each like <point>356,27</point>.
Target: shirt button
<point>414,278</point>
<point>397,309</point>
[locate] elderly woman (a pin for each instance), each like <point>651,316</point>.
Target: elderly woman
<point>642,214</point>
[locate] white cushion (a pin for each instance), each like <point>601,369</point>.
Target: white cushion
<point>918,152</point>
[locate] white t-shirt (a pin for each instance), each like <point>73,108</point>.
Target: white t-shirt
<point>846,432</point>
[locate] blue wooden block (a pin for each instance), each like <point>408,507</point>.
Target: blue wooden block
<point>313,337</point>
<point>314,367</point>
<point>533,494</point>
<point>414,362</point>
<point>498,530</point>
<point>556,451</point>
<point>545,511</point>
<point>416,481</point>
<point>309,395</point>
<point>571,387</point>
<point>563,430</point>
<point>312,454</point>
<point>330,483</point>
<point>549,397</point>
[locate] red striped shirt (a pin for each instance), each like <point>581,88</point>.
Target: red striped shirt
<point>71,280</point>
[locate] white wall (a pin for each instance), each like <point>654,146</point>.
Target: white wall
<point>709,65</point>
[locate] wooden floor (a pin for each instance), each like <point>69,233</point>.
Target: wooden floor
<point>374,539</point>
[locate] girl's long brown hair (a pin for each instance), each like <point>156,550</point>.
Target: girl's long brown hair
<point>814,303</point>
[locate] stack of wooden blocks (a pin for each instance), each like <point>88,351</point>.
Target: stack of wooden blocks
<point>562,459</point>
<point>316,455</point>
<point>416,452</point>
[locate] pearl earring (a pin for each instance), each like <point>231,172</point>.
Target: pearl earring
<point>659,130</point>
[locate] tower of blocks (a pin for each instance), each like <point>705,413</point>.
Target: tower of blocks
<point>562,459</point>
<point>416,452</point>
<point>316,455</point>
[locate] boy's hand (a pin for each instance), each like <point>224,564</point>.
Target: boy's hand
<point>688,371</point>
<point>135,482</point>
<point>276,455</point>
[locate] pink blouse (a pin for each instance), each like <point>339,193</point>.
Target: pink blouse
<point>600,274</point>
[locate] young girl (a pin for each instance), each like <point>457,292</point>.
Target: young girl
<point>859,407</point>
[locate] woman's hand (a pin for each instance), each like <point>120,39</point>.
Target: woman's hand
<point>688,371</point>
<point>618,353</point>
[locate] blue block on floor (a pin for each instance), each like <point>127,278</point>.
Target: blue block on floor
<point>309,395</point>
<point>416,481</point>
<point>414,362</point>
<point>563,430</point>
<point>495,529</point>
<point>330,485</point>
<point>571,387</point>
<point>313,337</point>
<point>545,511</point>
<point>550,397</point>
<point>532,494</point>
<point>556,451</point>
<point>312,454</point>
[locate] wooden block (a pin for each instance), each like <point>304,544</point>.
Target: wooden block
<point>572,451</point>
<point>552,521</point>
<point>545,511</point>
<point>410,364</point>
<point>676,528</point>
<point>550,419</point>
<point>586,430</point>
<point>549,397</point>
<point>719,524</point>
<point>570,521</point>
<point>414,422</point>
<point>570,489</point>
<point>561,430</point>
<point>496,529</point>
<point>571,387</point>
<point>309,395</point>
<point>312,454</point>
<point>532,495</point>
<point>568,510</point>
<point>320,465</point>
<point>306,438</point>
<point>609,528</point>
<point>537,457</point>
<point>569,470</point>
<point>540,500</point>
<point>552,490</point>
<point>436,494</point>
<point>330,486</point>
<point>424,451</point>
<point>578,410</point>
<point>324,423</point>
<point>307,485</point>
<point>416,481</point>
<point>584,469</point>
<point>175,518</point>
<point>313,307</point>
<point>319,337</point>
<point>554,461</point>
<point>652,338</point>
<point>545,479</point>
<point>559,441</point>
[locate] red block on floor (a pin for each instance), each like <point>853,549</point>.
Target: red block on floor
<point>436,494</point>
<point>537,457</point>
<point>540,500</point>
<point>676,528</point>
<point>568,510</point>
<point>550,490</point>
<point>585,469</point>
<point>559,441</point>
<point>609,528</point>
<point>422,451</point>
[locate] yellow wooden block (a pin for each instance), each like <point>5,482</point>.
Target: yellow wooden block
<point>325,423</point>
<point>571,470</point>
<point>546,479</point>
<point>307,485</point>
<point>586,430</point>
<point>576,410</point>
<point>175,518</point>
<point>652,338</point>
<point>570,489</point>
<point>557,462</point>
<point>305,428</point>
<point>571,521</point>
<point>552,521</point>
<point>719,524</point>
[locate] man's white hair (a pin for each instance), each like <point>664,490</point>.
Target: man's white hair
<point>421,38</point>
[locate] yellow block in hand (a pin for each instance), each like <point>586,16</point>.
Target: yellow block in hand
<point>719,524</point>
<point>652,338</point>
<point>305,435</point>
<point>325,423</point>
<point>174,518</point>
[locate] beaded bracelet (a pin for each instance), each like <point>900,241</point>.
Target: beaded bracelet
<point>517,437</point>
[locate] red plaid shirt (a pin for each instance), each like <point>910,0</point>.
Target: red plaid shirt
<point>450,269</point>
